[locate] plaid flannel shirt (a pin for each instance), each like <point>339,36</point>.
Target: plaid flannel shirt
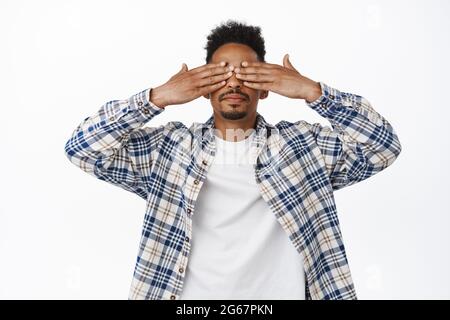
<point>297,166</point>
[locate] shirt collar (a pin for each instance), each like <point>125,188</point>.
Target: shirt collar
<point>204,137</point>
<point>262,126</point>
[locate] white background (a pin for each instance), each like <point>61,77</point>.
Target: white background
<point>64,234</point>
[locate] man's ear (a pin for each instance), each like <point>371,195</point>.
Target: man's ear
<point>263,94</point>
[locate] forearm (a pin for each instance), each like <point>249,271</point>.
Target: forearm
<point>107,128</point>
<point>368,142</point>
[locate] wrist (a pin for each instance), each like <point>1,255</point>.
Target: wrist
<point>156,98</point>
<point>314,92</point>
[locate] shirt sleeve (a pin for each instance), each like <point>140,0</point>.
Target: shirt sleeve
<point>111,145</point>
<point>360,143</point>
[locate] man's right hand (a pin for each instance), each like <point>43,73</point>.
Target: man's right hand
<point>187,85</point>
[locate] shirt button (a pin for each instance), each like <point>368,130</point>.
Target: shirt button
<point>112,118</point>
<point>323,105</point>
<point>140,103</point>
<point>172,297</point>
<point>331,97</point>
<point>181,270</point>
<point>145,110</point>
<point>204,162</point>
<point>196,182</point>
<point>187,239</point>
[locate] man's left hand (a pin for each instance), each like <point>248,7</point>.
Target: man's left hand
<point>284,80</point>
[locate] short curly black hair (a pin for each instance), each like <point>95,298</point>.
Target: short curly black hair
<point>239,32</point>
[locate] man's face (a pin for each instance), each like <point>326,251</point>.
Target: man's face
<point>227,109</point>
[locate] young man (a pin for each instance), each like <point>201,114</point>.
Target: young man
<point>237,208</point>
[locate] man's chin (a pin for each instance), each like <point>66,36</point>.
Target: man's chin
<point>233,115</point>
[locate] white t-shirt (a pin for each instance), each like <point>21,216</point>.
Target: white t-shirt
<point>239,250</point>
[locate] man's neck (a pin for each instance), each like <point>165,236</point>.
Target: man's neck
<point>234,130</point>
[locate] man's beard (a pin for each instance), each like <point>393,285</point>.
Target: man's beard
<point>233,115</point>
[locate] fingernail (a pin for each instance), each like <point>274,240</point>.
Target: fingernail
<point>237,70</point>
<point>245,63</point>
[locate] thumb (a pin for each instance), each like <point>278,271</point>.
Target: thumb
<point>287,63</point>
<point>184,68</point>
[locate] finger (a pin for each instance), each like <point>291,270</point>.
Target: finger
<point>214,79</point>
<point>259,85</point>
<point>213,71</point>
<point>255,77</point>
<point>253,70</point>
<point>258,64</point>
<point>211,88</point>
<point>208,66</point>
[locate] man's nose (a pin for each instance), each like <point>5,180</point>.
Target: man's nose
<point>234,82</point>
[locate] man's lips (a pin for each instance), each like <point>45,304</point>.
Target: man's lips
<point>234,97</point>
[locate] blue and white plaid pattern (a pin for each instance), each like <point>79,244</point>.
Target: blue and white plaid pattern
<point>297,167</point>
